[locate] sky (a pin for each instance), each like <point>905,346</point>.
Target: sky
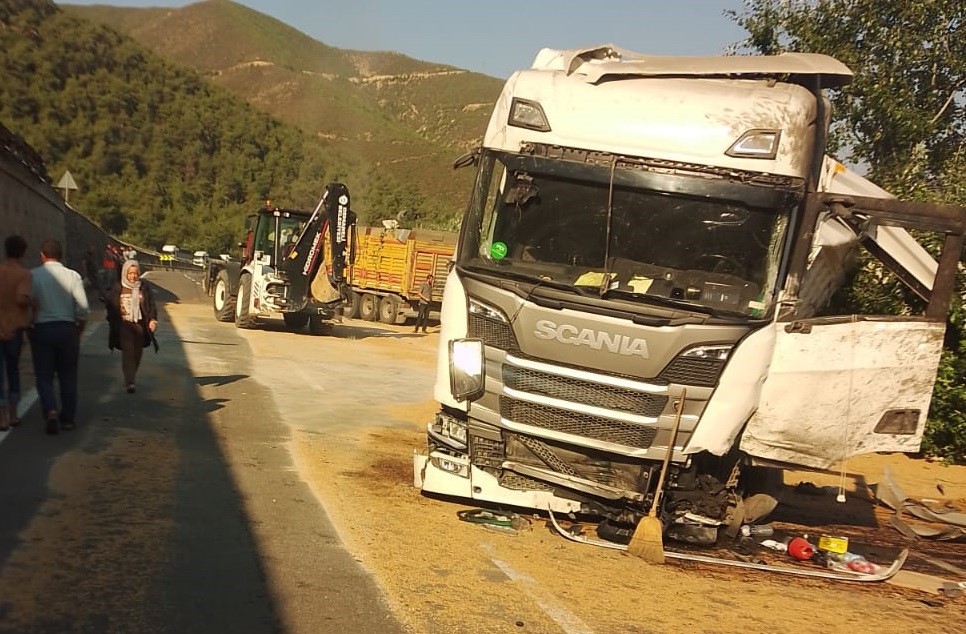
<point>496,37</point>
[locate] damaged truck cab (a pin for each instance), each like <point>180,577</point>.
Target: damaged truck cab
<point>647,230</point>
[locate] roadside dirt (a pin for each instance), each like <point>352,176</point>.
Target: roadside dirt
<point>442,574</point>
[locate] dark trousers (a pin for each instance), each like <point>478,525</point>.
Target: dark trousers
<point>56,350</point>
<point>10,366</point>
<point>132,348</point>
<point>422,317</point>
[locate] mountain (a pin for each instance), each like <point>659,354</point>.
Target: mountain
<point>159,153</point>
<point>403,121</point>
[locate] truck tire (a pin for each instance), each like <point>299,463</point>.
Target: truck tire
<point>352,306</point>
<point>389,309</point>
<point>369,307</point>
<point>319,326</point>
<point>243,316</point>
<point>221,298</point>
<point>295,321</point>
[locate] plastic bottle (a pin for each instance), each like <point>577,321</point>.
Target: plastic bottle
<point>761,530</point>
<point>774,545</point>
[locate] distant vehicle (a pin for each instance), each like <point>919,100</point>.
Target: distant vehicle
<point>293,264</point>
<point>200,258</point>
<point>225,257</point>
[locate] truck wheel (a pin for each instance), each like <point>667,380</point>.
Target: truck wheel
<point>295,321</point>
<point>243,316</point>
<point>388,309</point>
<point>352,306</point>
<point>369,307</point>
<point>222,300</point>
<point>319,326</point>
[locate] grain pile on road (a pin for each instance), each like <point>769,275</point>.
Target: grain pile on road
<point>440,573</point>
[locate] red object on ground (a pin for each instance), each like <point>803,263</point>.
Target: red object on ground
<point>800,549</point>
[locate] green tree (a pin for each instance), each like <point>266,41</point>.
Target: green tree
<point>902,117</point>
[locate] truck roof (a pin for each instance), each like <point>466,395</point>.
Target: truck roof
<point>608,60</point>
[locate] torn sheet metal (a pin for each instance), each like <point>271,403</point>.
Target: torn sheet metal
<point>891,495</point>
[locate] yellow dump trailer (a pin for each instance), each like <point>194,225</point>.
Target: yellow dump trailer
<point>390,265</point>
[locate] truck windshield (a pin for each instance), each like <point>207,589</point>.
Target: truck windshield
<point>629,232</point>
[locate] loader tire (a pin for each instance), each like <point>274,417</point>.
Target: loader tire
<point>295,321</point>
<point>369,307</point>
<point>319,326</point>
<point>222,300</point>
<point>243,316</point>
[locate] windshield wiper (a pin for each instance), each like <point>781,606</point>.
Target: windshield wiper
<point>705,311</point>
<point>533,280</point>
<point>605,282</point>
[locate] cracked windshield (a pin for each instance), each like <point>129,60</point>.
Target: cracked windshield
<point>590,229</point>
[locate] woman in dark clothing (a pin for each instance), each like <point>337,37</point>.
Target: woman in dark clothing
<point>133,318</point>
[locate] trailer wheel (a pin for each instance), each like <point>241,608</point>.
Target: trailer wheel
<point>352,306</point>
<point>222,300</point>
<point>243,316</point>
<point>295,321</point>
<point>388,309</point>
<point>369,307</point>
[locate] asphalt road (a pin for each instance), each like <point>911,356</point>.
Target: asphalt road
<point>175,509</point>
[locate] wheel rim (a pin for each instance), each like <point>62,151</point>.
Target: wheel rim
<point>220,294</point>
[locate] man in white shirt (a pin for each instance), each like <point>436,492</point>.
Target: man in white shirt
<point>60,312</point>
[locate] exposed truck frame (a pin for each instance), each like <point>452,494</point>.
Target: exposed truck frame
<point>293,265</point>
<point>650,230</point>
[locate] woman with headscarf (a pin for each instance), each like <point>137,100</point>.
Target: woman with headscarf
<point>133,318</point>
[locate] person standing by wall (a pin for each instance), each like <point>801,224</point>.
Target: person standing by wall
<point>425,296</point>
<point>133,318</point>
<point>61,311</point>
<point>15,304</point>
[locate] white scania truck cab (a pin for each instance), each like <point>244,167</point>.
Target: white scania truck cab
<point>649,232</point>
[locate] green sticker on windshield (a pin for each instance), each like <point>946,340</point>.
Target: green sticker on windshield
<point>498,250</point>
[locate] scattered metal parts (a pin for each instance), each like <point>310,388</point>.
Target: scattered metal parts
<point>885,572</point>
<point>891,495</point>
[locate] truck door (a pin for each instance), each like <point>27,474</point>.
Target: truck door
<point>844,385</point>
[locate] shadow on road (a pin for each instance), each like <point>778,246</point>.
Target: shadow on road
<point>133,521</point>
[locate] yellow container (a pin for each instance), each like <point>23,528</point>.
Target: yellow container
<point>831,544</point>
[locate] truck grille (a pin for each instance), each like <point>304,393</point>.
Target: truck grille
<point>577,424</point>
<point>519,482</point>
<point>486,452</point>
<point>580,391</point>
<point>493,333</point>
<point>693,371</point>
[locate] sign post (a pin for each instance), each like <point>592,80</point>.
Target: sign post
<point>66,183</point>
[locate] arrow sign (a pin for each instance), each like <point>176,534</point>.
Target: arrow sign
<point>66,183</point>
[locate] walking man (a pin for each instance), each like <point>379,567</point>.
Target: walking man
<point>425,296</point>
<point>14,318</point>
<point>61,312</point>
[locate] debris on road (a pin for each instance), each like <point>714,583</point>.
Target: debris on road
<point>952,522</point>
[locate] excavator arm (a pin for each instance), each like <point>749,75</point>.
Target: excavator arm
<point>309,275</point>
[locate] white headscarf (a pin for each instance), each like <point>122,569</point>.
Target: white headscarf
<point>135,288</point>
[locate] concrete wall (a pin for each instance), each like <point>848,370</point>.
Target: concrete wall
<point>32,208</point>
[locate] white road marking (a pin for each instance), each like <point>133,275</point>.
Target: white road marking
<point>567,620</point>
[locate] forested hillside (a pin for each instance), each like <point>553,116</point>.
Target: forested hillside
<point>165,153</point>
<point>403,121</point>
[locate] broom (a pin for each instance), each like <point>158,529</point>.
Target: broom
<point>647,540</point>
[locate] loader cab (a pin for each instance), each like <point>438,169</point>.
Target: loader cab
<point>271,233</point>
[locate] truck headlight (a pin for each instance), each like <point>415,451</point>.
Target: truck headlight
<point>466,379</point>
